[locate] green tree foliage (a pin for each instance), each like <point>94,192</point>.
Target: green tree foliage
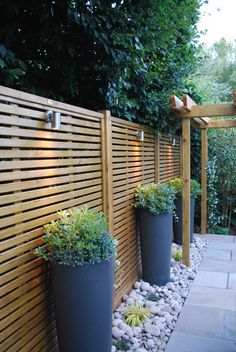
<point>215,77</point>
<point>222,171</point>
<point>213,82</point>
<point>125,55</point>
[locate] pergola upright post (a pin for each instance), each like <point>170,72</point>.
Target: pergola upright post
<point>201,115</point>
<point>204,153</point>
<point>186,190</point>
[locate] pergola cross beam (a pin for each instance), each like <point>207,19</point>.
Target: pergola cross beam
<point>226,123</point>
<point>186,105</point>
<point>210,110</point>
<point>176,103</point>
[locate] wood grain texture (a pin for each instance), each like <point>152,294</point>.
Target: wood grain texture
<point>41,171</point>
<point>209,110</point>
<point>94,159</point>
<point>186,191</point>
<point>226,123</point>
<point>204,154</point>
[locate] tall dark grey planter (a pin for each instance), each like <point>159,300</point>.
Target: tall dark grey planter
<point>178,224</point>
<point>156,232</point>
<point>83,303</point>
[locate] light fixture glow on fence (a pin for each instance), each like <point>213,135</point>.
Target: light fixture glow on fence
<point>140,135</point>
<point>55,118</point>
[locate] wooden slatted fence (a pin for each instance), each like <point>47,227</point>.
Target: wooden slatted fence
<point>133,162</point>
<point>94,159</point>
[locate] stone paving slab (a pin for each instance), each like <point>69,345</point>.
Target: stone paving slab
<point>180,342</point>
<point>212,297</point>
<point>221,254</point>
<point>222,245</point>
<point>233,255</point>
<point>211,279</point>
<point>222,266</point>
<point>232,281</point>
<point>220,238</point>
<point>205,321</point>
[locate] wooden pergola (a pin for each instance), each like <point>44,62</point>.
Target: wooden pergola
<point>203,118</point>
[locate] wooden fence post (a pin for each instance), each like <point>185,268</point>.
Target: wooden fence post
<point>181,156</point>
<point>186,190</point>
<point>204,152</point>
<point>107,174</point>
<point>157,157</point>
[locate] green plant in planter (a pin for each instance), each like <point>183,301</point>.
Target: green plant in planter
<point>177,184</point>
<point>79,236</point>
<point>156,198</point>
<point>81,252</point>
<point>136,314</point>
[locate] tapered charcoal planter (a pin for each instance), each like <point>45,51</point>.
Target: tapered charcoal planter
<point>156,232</point>
<point>83,304</point>
<point>178,222</point>
<point>81,252</point>
<point>195,190</point>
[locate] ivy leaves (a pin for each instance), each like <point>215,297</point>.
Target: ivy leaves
<point>127,56</point>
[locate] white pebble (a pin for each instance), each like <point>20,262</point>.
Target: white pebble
<point>152,329</point>
<point>145,286</point>
<point>126,328</point>
<point>117,333</point>
<point>116,322</point>
<point>137,284</point>
<point>154,333</point>
<point>130,301</point>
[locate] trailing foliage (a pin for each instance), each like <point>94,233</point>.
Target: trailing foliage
<point>213,212</point>
<point>177,184</point>
<point>118,274</point>
<point>127,56</point>
<point>136,314</point>
<point>79,236</point>
<point>156,198</point>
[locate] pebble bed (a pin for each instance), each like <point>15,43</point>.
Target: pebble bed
<point>155,331</point>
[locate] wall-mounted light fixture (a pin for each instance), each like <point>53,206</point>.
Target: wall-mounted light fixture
<point>172,140</point>
<point>140,135</point>
<point>55,118</point>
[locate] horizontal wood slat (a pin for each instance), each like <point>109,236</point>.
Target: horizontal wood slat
<point>43,171</point>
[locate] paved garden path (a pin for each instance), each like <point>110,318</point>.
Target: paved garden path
<point>207,322</point>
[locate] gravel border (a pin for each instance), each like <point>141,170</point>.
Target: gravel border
<point>154,333</point>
